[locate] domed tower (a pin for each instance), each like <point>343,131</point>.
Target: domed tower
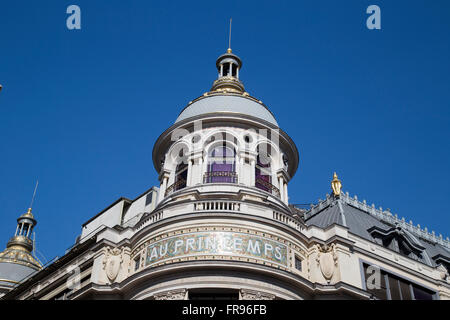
<point>224,167</point>
<point>17,261</point>
<point>226,140</point>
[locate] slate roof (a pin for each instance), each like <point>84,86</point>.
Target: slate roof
<point>227,103</point>
<point>359,218</point>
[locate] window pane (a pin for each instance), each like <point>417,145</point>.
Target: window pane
<point>298,263</point>
<point>405,289</point>
<point>394,288</point>
<point>422,294</point>
<point>136,262</point>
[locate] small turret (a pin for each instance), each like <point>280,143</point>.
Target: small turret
<point>17,261</point>
<point>228,66</point>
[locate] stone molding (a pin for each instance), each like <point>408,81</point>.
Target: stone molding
<point>178,294</point>
<point>248,294</point>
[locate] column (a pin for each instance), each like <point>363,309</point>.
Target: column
<point>286,199</point>
<point>201,171</point>
<point>189,173</point>
<point>281,188</point>
<point>241,169</point>
<point>230,72</point>
<point>252,179</point>
<point>162,190</point>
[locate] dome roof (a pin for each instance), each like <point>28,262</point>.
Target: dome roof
<point>13,273</point>
<point>17,261</point>
<point>232,103</point>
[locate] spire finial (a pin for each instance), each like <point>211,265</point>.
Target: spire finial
<point>336,185</point>
<point>34,195</point>
<point>229,38</point>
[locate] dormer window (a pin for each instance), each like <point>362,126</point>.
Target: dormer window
<point>397,240</point>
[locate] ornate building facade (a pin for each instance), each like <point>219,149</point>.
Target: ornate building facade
<point>220,225</point>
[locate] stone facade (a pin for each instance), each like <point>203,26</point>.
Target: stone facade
<point>220,223</point>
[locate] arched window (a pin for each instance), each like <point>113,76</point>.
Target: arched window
<point>263,173</point>
<point>180,176</point>
<point>221,165</point>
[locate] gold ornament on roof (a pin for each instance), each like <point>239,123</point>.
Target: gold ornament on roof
<point>28,214</point>
<point>336,185</point>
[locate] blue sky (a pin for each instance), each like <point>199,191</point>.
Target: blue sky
<point>80,110</point>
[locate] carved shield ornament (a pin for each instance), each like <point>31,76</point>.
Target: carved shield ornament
<point>112,262</point>
<point>327,260</point>
<point>327,265</point>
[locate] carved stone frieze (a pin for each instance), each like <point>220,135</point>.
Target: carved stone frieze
<point>179,294</point>
<point>247,294</point>
<point>443,273</point>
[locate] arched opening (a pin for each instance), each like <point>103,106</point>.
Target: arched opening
<point>221,165</point>
<point>181,172</point>
<point>180,176</point>
<point>263,173</point>
<point>25,230</point>
<point>226,70</point>
<point>263,170</point>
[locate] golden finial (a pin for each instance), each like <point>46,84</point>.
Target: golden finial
<point>229,50</point>
<point>28,214</point>
<point>336,185</point>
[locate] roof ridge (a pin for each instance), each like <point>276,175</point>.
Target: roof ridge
<point>382,215</point>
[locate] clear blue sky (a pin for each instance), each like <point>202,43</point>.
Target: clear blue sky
<point>81,110</point>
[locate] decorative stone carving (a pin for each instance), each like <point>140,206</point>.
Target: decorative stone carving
<point>443,273</point>
<point>112,262</point>
<point>327,260</point>
<point>247,294</point>
<point>179,294</point>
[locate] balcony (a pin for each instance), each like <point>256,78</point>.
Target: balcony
<point>220,177</point>
<point>267,186</point>
<point>180,184</point>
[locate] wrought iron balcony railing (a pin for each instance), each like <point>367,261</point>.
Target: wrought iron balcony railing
<point>180,184</point>
<point>220,176</point>
<point>267,186</point>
